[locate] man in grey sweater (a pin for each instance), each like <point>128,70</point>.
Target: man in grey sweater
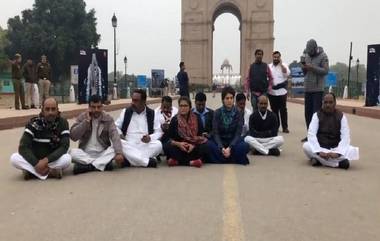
<point>315,65</point>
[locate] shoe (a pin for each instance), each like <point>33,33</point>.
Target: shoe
<point>315,163</point>
<point>56,173</point>
<point>172,162</point>
<point>345,164</point>
<point>152,163</point>
<point>274,152</point>
<point>304,139</point>
<point>256,153</point>
<point>158,159</point>
<point>27,175</point>
<point>285,130</point>
<point>80,168</point>
<point>17,108</point>
<point>33,107</point>
<point>196,163</point>
<point>109,167</point>
<point>25,107</point>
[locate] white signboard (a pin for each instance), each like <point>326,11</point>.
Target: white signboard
<point>74,74</point>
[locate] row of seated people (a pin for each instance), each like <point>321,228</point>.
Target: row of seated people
<point>140,134</point>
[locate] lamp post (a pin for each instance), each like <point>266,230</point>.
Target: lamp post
<point>357,76</point>
<point>125,65</point>
<point>114,25</point>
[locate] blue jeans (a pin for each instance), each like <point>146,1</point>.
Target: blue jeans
<point>238,153</point>
<point>313,103</point>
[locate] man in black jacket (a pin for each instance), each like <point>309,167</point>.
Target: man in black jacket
<point>263,129</point>
<point>141,130</point>
<point>44,144</point>
<point>205,114</point>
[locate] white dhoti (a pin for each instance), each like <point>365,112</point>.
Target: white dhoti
<point>263,145</point>
<point>138,153</point>
<point>98,160</point>
<point>19,162</point>
<point>351,154</point>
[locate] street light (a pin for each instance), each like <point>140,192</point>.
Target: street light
<point>114,25</point>
<point>357,76</point>
<point>125,72</point>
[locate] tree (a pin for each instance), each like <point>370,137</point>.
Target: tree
<point>58,29</point>
<point>4,62</point>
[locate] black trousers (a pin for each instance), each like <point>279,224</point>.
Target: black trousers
<point>199,152</point>
<point>313,103</point>
<point>278,106</point>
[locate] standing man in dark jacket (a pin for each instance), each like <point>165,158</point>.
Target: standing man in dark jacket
<point>99,140</point>
<point>17,83</point>
<point>260,79</point>
<point>44,75</point>
<point>183,80</point>
<point>315,65</point>
<point>44,144</point>
<point>29,72</point>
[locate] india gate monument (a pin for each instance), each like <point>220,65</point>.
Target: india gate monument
<point>198,18</point>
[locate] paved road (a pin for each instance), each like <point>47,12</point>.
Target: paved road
<point>272,199</point>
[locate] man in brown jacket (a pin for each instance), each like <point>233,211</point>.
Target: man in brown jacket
<point>99,140</point>
<point>17,83</point>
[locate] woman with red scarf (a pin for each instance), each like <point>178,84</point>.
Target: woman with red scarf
<point>187,146</point>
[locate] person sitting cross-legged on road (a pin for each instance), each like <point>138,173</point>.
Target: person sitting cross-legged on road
<point>187,146</point>
<point>329,137</point>
<point>141,130</point>
<point>43,147</point>
<point>227,145</point>
<point>263,130</point>
<point>99,140</point>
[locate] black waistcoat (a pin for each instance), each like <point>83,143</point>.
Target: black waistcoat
<point>128,117</point>
<point>329,129</point>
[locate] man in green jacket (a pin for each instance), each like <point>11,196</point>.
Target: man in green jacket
<point>43,147</point>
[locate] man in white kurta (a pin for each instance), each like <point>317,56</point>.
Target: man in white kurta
<point>329,137</point>
<point>241,106</point>
<point>141,130</point>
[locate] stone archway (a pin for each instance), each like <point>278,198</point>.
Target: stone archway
<point>198,18</point>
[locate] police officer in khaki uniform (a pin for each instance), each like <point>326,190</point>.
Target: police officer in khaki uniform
<point>44,76</point>
<point>17,82</point>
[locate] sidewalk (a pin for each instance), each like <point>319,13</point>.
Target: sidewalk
<point>11,118</point>
<point>354,107</point>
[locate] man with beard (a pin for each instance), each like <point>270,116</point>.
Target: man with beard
<point>165,112</point>
<point>99,140</point>
<point>43,147</point>
<point>329,137</point>
<point>315,65</point>
<point>278,94</point>
<point>141,131</point>
<point>263,130</point>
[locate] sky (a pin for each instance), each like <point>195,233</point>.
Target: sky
<point>149,32</point>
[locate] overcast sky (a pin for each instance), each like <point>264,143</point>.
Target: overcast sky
<point>149,31</point>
